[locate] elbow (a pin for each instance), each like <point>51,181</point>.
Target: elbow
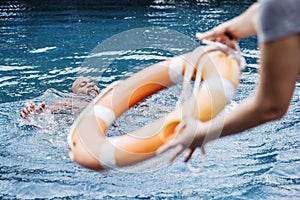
<point>275,113</point>
<point>272,111</point>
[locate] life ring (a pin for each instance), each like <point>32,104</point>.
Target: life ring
<point>90,148</point>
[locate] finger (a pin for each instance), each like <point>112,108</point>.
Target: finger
<point>203,150</point>
<point>169,145</point>
<point>23,115</point>
<point>40,108</point>
<point>221,40</point>
<point>43,105</point>
<point>189,155</point>
<point>179,150</point>
<point>25,110</point>
<point>210,35</point>
<point>29,109</point>
<point>229,42</point>
<point>32,107</point>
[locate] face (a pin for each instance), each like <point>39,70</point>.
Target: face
<point>84,85</point>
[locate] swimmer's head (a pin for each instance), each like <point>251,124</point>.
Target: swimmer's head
<point>84,85</point>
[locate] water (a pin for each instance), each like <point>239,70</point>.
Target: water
<point>48,44</point>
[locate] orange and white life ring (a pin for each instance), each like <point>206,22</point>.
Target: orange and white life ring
<point>88,145</point>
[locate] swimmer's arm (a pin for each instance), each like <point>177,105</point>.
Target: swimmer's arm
<point>58,107</point>
<point>67,105</point>
<point>31,108</point>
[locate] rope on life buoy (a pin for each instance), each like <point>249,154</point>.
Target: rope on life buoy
<point>186,95</point>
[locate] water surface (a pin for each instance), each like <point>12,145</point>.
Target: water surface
<point>45,46</point>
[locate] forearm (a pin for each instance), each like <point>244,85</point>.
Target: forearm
<point>247,115</point>
<point>75,105</point>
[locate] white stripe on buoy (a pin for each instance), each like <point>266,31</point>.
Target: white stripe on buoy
<point>107,154</point>
<point>228,88</point>
<point>223,85</point>
<point>104,113</point>
<point>176,69</point>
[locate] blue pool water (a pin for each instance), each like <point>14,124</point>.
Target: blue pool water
<point>45,45</point>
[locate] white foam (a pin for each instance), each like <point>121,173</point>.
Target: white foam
<point>41,50</point>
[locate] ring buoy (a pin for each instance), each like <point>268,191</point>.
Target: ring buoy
<point>90,148</point>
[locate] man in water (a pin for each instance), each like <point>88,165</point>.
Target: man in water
<point>81,86</point>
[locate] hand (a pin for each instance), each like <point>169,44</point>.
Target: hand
<point>189,137</point>
<point>221,33</point>
<point>30,108</point>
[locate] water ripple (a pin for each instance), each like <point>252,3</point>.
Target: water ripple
<point>45,45</point>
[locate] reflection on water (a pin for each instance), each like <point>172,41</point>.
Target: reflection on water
<point>47,45</point>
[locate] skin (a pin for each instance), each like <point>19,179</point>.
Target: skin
<point>279,70</point>
<point>82,86</point>
<point>85,86</point>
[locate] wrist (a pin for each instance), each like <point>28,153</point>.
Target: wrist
<point>206,132</point>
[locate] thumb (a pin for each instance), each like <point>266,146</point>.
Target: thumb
<point>205,35</point>
<point>170,144</point>
<point>165,147</point>
<point>203,150</point>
